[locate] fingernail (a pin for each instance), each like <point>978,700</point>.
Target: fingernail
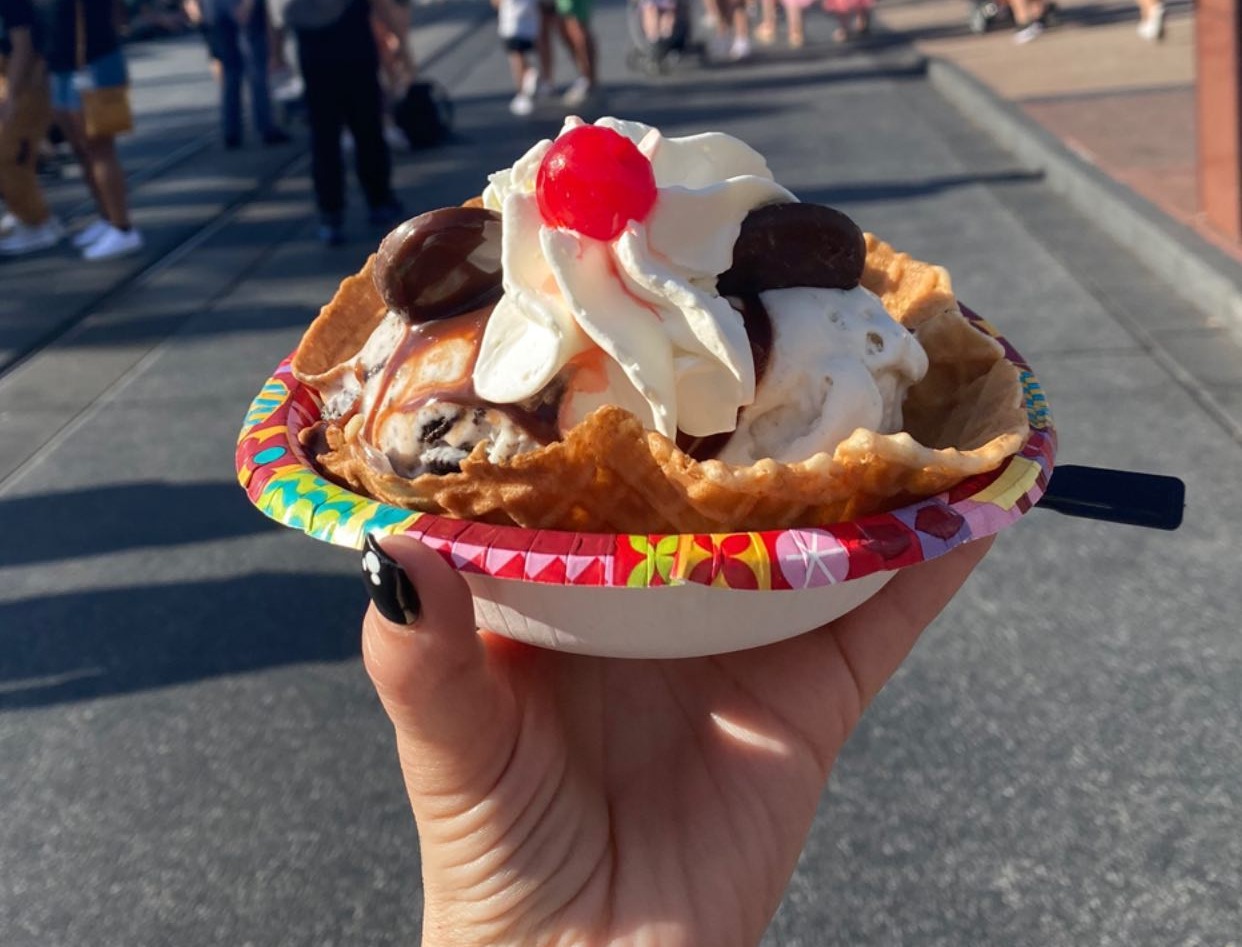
<point>390,588</point>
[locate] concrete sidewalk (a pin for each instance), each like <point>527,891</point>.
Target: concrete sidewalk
<point>1107,116</point>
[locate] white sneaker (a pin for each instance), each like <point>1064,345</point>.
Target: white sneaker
<point>522,104</point>
<point>577,93</point>
<point>1031,31</point>
<point>90,233</point>
<point>1152,28</point>
<point>8,222</point>
<point>739,50</point>
<point>22,238</point>
<point>114,243</point>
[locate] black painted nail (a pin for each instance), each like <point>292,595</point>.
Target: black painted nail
<point>390,588</point>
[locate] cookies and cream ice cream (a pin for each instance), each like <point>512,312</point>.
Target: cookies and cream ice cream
<point>624,311</point>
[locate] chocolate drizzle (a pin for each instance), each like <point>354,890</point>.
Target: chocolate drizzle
<point>536,416</point>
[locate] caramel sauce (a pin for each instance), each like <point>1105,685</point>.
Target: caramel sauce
<point>537,416</point>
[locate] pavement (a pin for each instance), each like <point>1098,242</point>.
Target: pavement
<point>190,750</point>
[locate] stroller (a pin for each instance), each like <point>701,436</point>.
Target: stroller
<point>660,35</point>
<point>986,14</point>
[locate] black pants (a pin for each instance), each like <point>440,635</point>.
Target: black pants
<point>346,95</point>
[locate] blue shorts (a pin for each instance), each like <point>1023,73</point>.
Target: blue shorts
<point>106,72</point>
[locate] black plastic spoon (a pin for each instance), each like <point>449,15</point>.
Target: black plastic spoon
<point>1116,496</point>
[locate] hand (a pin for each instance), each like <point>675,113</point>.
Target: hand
<point>569,799</point>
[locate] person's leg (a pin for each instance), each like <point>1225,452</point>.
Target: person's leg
<point>226,43</point>
<point>325,116</point>
<point>70,124</point>
<point>793,19</point>
<point>101,168</point>
<point>28,119</point>
<point>365,114</point>
<point>581,43</point>
<point>740,19</point>
<point>257,64</point>
<point>517,68</point>
<point>544,50</point>
<point>1151,19</point>
<point>1026,16</point>
<point>765,32</point>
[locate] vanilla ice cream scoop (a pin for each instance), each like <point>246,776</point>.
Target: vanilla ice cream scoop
<point>837,362</point>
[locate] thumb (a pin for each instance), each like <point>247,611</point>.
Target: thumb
<point>448,703</point>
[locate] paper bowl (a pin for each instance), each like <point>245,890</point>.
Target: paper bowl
<point>646,596</point>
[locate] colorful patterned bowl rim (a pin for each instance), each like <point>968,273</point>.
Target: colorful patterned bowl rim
<point>281,481</point>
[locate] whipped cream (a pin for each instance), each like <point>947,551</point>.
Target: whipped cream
<point>676,353</point>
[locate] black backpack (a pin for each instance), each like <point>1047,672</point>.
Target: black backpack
<point>424,114</point>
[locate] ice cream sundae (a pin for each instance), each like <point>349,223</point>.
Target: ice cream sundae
<point>638,333</point>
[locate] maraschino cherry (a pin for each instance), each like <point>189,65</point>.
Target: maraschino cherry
<point>594,181</point>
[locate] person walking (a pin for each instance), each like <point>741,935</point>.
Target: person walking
<point>84,55</point>
<point>765,32</point>
<point>238,38</point>
<point>853,18</point>
<point>1151,20</point>
<point>340,66</point>
<point>518,25</point>
<point>25,113</point>
<point>572,20</point>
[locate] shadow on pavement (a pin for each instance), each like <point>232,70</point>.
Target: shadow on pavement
<point>99,520</point>
<point>117,641</point>
<point>904,190</point>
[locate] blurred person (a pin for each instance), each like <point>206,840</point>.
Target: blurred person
<point>84,53</point>
<point>390,22</point>
<point>27,225</point>
<point>339,62</point>
<point>1030,18</point>
<point>795,36</point>
<point>545,51</point>
<point>195,14</point>
<point>853,18</point>
<point>1151,20</point>
<point>517,22</point>
<point>732,25</point>
<point>239,40</point>
<point>562,798</point>
<point>571,20</point>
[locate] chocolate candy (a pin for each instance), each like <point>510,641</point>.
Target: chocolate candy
<point>441,264</point>
<point>784,245</point>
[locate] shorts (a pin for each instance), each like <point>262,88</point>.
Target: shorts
<point>517,44</point>
<point>578,9</point>
<point>106,72</point>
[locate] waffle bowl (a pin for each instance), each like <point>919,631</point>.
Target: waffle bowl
<point>649,594</point>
